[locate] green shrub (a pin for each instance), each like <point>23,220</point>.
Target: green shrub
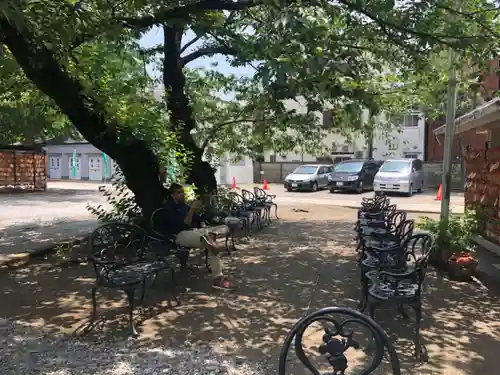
<point>457,236</point>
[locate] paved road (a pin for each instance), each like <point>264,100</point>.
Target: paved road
<point>424,202</point>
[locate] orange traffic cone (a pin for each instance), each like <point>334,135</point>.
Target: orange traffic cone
<point>234,183</point>
<point>265,184</point>
<point>439,195</point>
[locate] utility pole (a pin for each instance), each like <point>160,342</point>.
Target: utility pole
<point>448,137</point>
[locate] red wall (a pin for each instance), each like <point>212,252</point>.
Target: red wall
<point>435,150</point>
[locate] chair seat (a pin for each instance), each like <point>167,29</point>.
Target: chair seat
<point>148,267</point>
<point>371,222</point>
<point>133,273</point>
<point>380,244</point>
<point>231,220</point>
<point>385,262</point>
<point>385,290</point>
<point>122,277</point>
<point>367,231</point>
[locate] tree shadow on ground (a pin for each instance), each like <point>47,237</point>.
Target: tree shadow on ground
<point>25,237</point>
<point>294,267</point>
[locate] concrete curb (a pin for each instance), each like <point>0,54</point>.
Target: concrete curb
<point>12,261</point>
<point>402,209</point>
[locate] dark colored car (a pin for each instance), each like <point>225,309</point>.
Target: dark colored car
<point>353,175</point>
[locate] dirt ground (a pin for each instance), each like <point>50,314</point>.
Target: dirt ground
<point>303,262</point>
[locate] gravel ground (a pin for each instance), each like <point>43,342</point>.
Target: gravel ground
<point>26,351</point>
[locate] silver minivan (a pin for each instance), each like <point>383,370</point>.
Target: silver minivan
<point>400,176</point>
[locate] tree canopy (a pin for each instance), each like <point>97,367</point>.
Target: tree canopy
<point>346,55</point>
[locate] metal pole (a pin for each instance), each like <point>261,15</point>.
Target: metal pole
<point>448,137</point>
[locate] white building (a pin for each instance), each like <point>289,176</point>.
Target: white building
<point>74,160</point>
<point>408,140</point>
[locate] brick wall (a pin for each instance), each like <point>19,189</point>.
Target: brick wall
<point>435,149</point>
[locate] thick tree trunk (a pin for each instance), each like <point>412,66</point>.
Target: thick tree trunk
<point>201,174</point>
<point>137,162</point>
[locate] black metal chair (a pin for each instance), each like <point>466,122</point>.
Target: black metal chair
<point>266,200</point>
<point>164,240</point>
<point>392,220</point>
<point>240,209</point>
<point>338,337</point>
<point>254,206</point>
<point>403,286</point>
<point>118,253</point>
<point>218,212</point>
<point>384,250</point>
<point>380,240</point>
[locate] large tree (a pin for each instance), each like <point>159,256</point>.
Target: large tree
<point>318,52</point>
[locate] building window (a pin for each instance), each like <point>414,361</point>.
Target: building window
<point>327,119</point>
<point>411,121</point>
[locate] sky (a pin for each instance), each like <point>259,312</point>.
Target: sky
<point>155,37</point>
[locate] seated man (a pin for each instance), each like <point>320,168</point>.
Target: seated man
<point>185,225</point>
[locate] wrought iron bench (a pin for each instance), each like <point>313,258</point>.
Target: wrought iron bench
<point>164,242</point>
<point>217,213</point>
<point>118,253</point>
<point>251,204</point>
<point>402,285</point>
<point>339,336</point>
<point>243,210</point>
<point>266,200</point>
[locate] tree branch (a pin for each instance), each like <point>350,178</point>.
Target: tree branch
<point>183,12</point>
<point>207,51</point>
<point>151,51</point>
<point>213,131</point>
<point>190,43</point>
<point>385,24</point>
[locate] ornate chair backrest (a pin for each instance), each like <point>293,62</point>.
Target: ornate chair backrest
<point>404,230</point>
<point>260,194</point>
<point>237,201</point>
<point>397,218</point>
<point>390,210</point>
<point>343,328</point>
<point>158,223</point>
<point>248,197</point>
<point>114,245</point>
<point>418,250</point>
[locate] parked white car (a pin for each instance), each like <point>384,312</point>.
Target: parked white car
<point>400,176</point>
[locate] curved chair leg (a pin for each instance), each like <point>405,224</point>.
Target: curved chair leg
<point>401,310</point>
<point>364,293</point>
<point>143,289</point>
<point>94,303</point>
<point>372,306</point>
<point>276,211</point>
<point>130,292</point>
<point>207,266</point>
<point>420,349</point>
<point>174,282</point>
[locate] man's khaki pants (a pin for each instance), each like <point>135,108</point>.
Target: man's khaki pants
<point>193,239</point>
